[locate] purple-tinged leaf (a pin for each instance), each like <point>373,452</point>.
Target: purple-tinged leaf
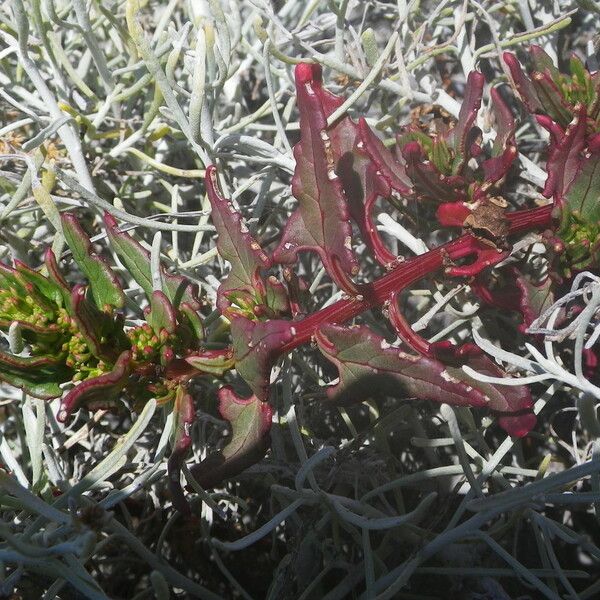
<point>56,277</point>
<point>516,292</point>
<point>235,244</point>
<point>512,403</point>
<point>256,347</point>
<point>551,98</point>
<point>564,157</point>
<point>504,150</point>
<point>392,169</point>
<point>33,333</point>
<point>100,391</point>
<point>523,85</point>
<point>104,340</point>
<point>322,220</point>
<point>38,376</point>
<point>137,260</point>
<point>184,414</point>
<point>161,315</point>
<point>457,137</point>
<point>582,195</point>
<point>250,423</point>
<point>429,183</point>
<point>104,285</point>
<point>45,286</point>
<point>368,365</point>
<point>542,62</point>
<point>212,362</point>
<point>190,328</point>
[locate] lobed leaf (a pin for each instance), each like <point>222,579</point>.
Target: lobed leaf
<point>256,346</point>
<point>322,220</point>
<point>235,244</point>
<point>368,365</point>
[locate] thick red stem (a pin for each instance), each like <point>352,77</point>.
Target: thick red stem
<point>378,292</point>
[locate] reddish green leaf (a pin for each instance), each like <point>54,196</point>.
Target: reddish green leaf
<point>38,376</point>
<point>45,286</point>
<point>523,84</point>
<point>161,315</point>
<point>137,260</point>
<point>504,150</point>
<point>250,423</point>
<point>103,335</point>
<point>389,167</point>
<point>368,365</point>
<point>100,391</point>
<point>564,156</point>
<point>214,362</point>
<point>457,137</point>
<point>235,244</point>
<point>322,220</point>
<point>104,285</point>
<point>184,414</point>
<point>256,346</point>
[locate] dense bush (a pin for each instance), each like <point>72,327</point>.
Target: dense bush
<point>324,382</point>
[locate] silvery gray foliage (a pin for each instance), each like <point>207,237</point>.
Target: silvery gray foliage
<point>119,106</point>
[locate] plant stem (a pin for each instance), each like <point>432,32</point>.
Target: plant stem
<point>378,292</point>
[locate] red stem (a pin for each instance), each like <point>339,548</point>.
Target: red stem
<point>376,293</point>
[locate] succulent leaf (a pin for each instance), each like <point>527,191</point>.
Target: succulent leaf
<point>38,376</point>
<point>184,414</point>
<point>102,390</point>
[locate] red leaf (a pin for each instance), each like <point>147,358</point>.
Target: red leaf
<point>235,244</point>
<point>322,220</point>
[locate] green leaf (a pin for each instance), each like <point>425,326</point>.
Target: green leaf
<point>136,259</point>
<point>45,286</point>
<point>214,362</point>
<point>161,315</point>
<point>105,287</point>
<point>38,376</point>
